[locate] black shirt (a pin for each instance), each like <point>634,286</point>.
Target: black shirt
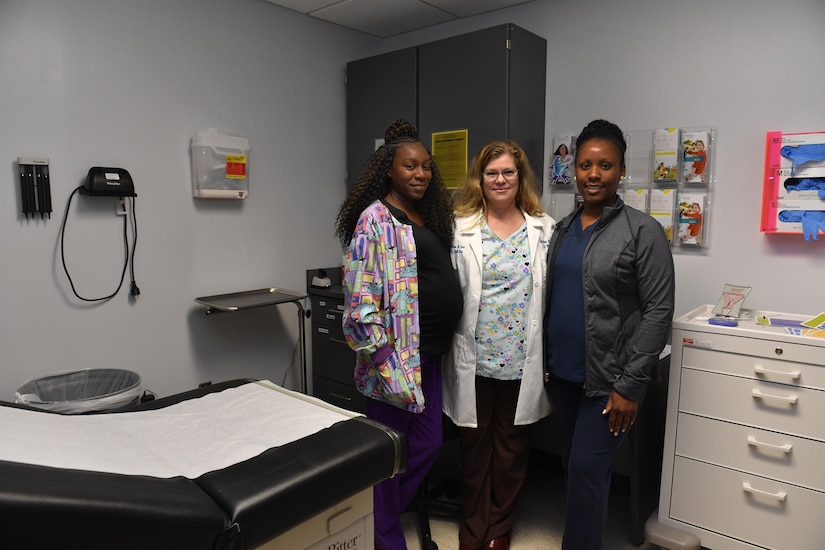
<point>439,295</point>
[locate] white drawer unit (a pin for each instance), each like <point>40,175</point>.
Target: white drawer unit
<point>744,452</point>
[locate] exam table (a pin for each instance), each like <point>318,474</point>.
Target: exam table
<point>240,464</point>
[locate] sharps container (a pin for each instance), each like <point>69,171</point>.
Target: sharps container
<point>220,165</point>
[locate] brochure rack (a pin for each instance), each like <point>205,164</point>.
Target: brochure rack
<point>669,174</point>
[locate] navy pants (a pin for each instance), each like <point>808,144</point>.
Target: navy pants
<point>587,456</point>
<point>424,432</point>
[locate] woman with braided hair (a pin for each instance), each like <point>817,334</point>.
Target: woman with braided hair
<point>402,303</point>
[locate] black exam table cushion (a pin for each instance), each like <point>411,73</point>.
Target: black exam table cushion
<point>284,486</point>
<point>45,507</point>
<point>241,506</point>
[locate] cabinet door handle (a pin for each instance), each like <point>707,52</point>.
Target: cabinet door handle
<point>790,399</point>
<point>793,375</point>
<point>786,448</point>
<point>779,495</point>
<point>338,341</point>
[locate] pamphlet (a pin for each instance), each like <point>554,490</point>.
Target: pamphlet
<point>692,208</point>
<point>636,198</point>
<point>661,209</point>
<point>695,157</point>
<point>665,154</point>
<point>561,161</point>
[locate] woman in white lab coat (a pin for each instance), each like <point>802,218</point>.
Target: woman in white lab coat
<point>493,377</point>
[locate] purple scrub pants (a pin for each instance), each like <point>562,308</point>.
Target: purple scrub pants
<point>423,431</point>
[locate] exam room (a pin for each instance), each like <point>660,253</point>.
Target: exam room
<point>127,84</point>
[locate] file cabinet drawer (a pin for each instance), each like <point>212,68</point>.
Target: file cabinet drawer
<point>745,507</point>
<point>331,356</point>
<point>327,311</point>
<point>776,455</point>
<point>339,394</point>
<point>768,369</point>
<point>776,407</point>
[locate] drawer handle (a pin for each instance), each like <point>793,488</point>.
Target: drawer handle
<point>790,399</point>
<point>786,448</point>
<point>339,396</point>
<point>793,375</point>
<point>779,495</point>
<point>338,341</point>
<point>330,316</point>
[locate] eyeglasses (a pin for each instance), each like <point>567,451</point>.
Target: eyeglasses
<point>492,175</point>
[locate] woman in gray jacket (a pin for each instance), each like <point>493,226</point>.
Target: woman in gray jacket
<point>610,293</point>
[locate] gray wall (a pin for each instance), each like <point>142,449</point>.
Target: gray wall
<point>745,66</point>
<point>126,83</point>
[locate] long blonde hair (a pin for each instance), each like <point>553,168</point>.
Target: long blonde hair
<point>469,199</point>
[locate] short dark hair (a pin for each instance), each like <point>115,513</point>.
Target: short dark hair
<point>602,129</point>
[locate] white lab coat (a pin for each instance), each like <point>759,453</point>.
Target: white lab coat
<point>460,363</point>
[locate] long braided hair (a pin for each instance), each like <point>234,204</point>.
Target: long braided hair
<point>436,206</point>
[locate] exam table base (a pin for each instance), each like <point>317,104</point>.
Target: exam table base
<point>347,525</point>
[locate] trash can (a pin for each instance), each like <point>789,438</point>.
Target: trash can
<point>81,391</point>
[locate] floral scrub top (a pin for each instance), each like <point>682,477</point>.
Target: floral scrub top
<point>506,288</point>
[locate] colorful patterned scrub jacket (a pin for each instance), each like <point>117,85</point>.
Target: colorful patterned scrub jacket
<point>381,285</point>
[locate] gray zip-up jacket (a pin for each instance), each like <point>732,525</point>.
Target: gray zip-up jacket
<point>628,286</point>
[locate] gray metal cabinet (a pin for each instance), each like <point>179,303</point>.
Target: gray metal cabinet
<point>490,82</point>
<point>380,89</point>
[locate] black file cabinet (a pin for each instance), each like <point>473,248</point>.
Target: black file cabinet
<point>333,362</point>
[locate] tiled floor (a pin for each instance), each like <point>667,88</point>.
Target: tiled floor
<point>540,517</point>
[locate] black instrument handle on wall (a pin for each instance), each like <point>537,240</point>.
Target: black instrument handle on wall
<point>35,186</point>
<point>44,194</point>
<point>24,194</point>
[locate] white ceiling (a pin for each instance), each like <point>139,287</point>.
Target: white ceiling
<point>384,18</point>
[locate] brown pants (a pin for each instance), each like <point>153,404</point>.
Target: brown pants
<point>494,460</point>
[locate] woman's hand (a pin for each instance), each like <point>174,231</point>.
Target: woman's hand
<point>622,412</point>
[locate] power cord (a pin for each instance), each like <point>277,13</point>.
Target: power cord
<point>292,361</point>
<point>134,289</point>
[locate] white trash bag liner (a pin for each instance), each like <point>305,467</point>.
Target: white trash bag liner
<point>81,391</point>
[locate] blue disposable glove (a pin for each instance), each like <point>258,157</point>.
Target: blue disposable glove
<point>806,184</point>
<point>812,222</point>
<point>790,215</point>
<point>800,154</point>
